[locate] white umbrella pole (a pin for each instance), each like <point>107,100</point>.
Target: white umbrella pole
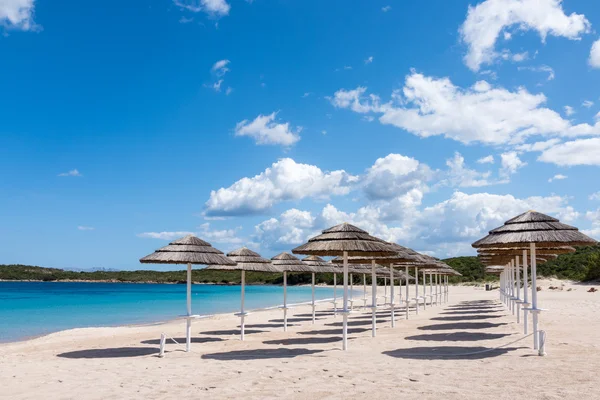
<point>525,295</point>
<point>351,292</point>
<point>188,330</point>
<point>425,292</point>
<point>374,298</point>
<point>518,275</point>
<point>313,298</point>
<point>335,295</point>
<point>406,284</point>
<point>512,286</point>
<point>437,289</point>
<point>345,311</point>
<point>417,289</point>
<point>534,303</point>
<point>431,288</point>
<point>285,301</point>
<point>392,314</point>
<point>364,290</point>
<point>242,312</point>
<point>385,296</point>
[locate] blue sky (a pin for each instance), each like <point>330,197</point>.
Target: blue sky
<point>260,123</point>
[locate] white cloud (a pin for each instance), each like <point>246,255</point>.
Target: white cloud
<point>386,8</point>
<point>305,95</point>
<point>72,172</point>
<point>538,146</point>
<point>461,176</point>
<point>284,180</point>
<point>519,57</point>
<point>510,163</point>
<point>163,235</point>
<point>292,228</point>
<point>557,177</point>
<point>486,160</point>
<point>595,196</point>
<point>594,217</point>
<point>219,236</point>
<point>220,67</point>
<point>541,68</point>
<point>85,228</point>
<point>486,21</point>
<point>217,85</point>
<point>576,152</point>
<point>217,8</point>
<point>482,113</point>
<point>569,111</point>
<point>264,130</point>
<point>445,229</point>
<point>587,103</point>
<point>395,175</point>
<point>17,14</point>
<point>595,54</point>
<point>369,60</point>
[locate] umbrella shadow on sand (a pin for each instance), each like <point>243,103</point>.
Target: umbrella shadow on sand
<point>358,323</point>
<point>115,352</point>
<point>259,354</point>
<point>182,340</point>
<point>231,332</point>
<point>449,353</point>
<point>457,312</point>
<point>332,331</point>
<point>464,317</point>
<point>461,326</point>
<point>301,341</point>
<point>458,336</point>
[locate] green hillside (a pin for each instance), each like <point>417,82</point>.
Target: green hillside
<point>583,265</point>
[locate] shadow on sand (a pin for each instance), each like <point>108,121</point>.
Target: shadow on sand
<point>464,317</point>
<point>449,353</point>
<point>460,325</point>
<point>259,354</point>
<point>458,336</point>
<point>333,331</point>
<point>231,332</point>
<point>471,312</point>
<point>182,340</point>
<point>308,340</point>
<point>264,326</point>
<point>359,323</point>
<point>116,352</point>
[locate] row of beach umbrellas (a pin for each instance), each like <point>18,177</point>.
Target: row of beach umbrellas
<point>513,252</point>
<point>354,251</point>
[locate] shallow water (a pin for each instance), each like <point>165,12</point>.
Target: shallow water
<point>30,309</point>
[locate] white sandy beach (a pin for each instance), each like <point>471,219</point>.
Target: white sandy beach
<point>418,359</point>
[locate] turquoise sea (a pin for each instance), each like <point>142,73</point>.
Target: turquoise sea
<point>29,309</point>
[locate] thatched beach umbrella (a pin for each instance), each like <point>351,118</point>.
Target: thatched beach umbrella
<point>188,250</point>
<point>288,263</point>
<point>536,230</point>
<point>246,260</point>
<point>344,240</point>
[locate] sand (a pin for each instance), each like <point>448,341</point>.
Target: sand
<point>421,358</point>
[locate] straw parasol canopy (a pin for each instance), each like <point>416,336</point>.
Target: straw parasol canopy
<point>494,269</point>
<point>288,263</point>
<point>320,265</point>
<point>247,260</point>
<point>402,255</point>
<point>187,250</point>
<point>534,227</point>
<point>345,238</point>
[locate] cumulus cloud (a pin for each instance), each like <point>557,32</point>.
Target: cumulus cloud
<point>487,20</point>
<point>587,103</point>
<point>576,152</point>
<point>595,196</point>
<point>164,235</point>
<point>218,8</point>
<point>264,130</point>
<point>204,231</point>
<point>220,67</point>
<point>17,15</point>
<point>538,146</point>
<point>459,175</point>
<point>569,111</point>
<point>510,163</point>
<point>541,68</point>
<point>483,113</point>
<point>557,177</point>
<point>595,55</point>
<point>486,160</point>
<point>369,60</point>
<point>395,175</point>
<point>72,172</point>
<point>446,228</point>
<point>284,180</point>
